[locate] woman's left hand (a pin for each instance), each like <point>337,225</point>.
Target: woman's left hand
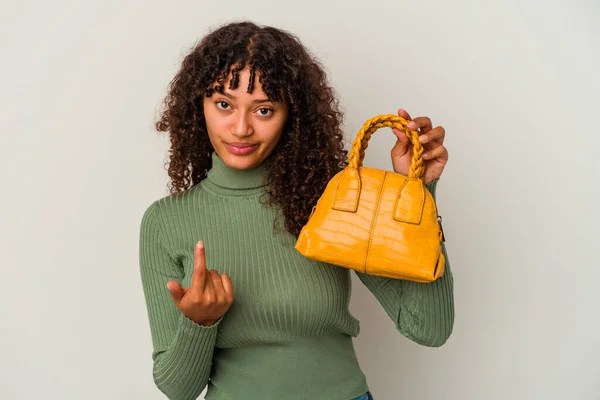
<point>435,155</point>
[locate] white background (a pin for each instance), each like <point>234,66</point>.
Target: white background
<point>515,84</point>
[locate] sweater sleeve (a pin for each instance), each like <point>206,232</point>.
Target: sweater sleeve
<point>422,312</point>
<point>182,349</point>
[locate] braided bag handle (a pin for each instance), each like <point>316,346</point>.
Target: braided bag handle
<point>361,142</point>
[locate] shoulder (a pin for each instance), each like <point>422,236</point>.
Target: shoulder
<point>167,206</point>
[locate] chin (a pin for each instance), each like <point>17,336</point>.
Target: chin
<point>240,162</point>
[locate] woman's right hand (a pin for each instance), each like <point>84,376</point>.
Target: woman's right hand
<point>210,295</point>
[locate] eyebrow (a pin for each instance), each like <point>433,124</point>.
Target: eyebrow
<point>256,101</point>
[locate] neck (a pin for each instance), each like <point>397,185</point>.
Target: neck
<point>226,180</point>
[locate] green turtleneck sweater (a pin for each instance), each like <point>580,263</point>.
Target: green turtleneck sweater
<point>288,334</point>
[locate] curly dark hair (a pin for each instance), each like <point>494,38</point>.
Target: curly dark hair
<point>311,149</point>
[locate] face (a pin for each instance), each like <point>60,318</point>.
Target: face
<point>244,128</point>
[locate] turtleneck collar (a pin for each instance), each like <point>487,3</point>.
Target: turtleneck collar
<point>230,181</point>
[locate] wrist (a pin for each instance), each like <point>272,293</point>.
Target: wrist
<point>431,186</point>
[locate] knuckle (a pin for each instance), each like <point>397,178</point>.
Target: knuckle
<point>195,299</point>
<point>211,298</point>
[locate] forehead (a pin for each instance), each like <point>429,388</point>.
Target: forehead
<point>241,85</point>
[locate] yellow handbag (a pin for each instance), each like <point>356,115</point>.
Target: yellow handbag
<point>374,221</point>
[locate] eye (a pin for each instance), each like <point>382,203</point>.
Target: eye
<point>265,111</point>
<point>223,105</point>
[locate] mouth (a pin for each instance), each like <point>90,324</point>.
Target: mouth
<point>241,148</point>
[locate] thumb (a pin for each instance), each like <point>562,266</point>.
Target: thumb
<point>402,144</point>
<point>176,291</point>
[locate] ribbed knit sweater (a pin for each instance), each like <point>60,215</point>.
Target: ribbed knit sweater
<point>288,333</point>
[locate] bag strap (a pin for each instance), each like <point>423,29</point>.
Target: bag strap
<point>361,142</point>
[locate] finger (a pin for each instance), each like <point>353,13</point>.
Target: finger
<point>439,153</point>
<point>421,123</point>
<point>217,284</point>
<point>404,114</point>
<point>176,291</point>
<point>436,135</point>
<point>208,285</point>
<point>227,286</point>
<point>199,274</point>
<point>400,135</point>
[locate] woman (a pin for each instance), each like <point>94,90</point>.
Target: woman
<point>256,135</point>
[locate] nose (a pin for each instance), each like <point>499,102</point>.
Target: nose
<point>241,126</point>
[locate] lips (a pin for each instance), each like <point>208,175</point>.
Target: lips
<point>241,149</point>
<point>242,145</point>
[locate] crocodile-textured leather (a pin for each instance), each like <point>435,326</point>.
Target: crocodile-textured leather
<point>374,221</point>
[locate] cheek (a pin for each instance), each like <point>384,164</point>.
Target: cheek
<point>274,132</point>
<point>212,121</point>
<point>280,126</point>
<point>273,140</point>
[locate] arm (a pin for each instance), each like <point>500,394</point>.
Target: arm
<point>182,349</point>
<point>423,312</point>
